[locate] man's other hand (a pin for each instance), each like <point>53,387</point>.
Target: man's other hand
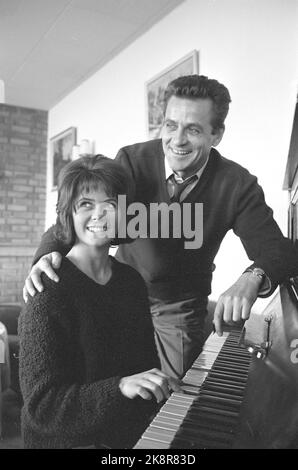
<point>235,303</point>
<point>46,265</point>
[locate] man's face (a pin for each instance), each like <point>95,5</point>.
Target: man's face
<point>187,134</point>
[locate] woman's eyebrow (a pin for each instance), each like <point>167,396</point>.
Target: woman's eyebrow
<point>85,198</point>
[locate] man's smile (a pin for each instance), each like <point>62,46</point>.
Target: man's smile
<point>179,151</point>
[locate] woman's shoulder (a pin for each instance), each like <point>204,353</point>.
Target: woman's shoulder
<point>54,294</point>
<point>66,279</point>
<point>47,299</point>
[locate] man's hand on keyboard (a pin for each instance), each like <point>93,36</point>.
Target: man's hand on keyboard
<point>234,305</point>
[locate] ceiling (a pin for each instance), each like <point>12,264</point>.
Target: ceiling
<point>49,47</point>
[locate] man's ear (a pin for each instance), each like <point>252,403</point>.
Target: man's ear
<point>218,135</point>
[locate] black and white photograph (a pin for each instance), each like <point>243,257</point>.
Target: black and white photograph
<point>148,230</point>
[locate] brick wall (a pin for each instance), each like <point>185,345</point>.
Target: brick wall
<point>23,154</point>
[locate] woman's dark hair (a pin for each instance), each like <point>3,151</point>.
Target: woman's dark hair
<point>199,86</point>
<point>84,175</point>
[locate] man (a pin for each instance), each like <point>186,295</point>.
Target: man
<point>179,279</point>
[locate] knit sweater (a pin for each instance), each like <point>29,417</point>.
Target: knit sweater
<point>232,200</point>
<point>77,338</point>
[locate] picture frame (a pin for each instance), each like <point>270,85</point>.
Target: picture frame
<point>155,88</point>
<point>61,152</point>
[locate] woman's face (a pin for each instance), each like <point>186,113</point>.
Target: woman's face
<point>95,218</point>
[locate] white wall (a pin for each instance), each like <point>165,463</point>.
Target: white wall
<point>251,47</point>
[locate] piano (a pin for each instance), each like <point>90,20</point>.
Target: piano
<point>242,390</point>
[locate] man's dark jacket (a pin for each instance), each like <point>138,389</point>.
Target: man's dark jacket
<point>231,199</point>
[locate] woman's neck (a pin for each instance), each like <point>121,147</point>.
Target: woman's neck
<point>93,261</point>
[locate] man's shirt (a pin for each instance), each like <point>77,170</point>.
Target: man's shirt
<point>169,172</point>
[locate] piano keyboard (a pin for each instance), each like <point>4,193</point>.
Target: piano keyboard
<point>206,413</point>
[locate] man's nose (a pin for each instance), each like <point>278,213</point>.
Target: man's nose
<point>179,137</point>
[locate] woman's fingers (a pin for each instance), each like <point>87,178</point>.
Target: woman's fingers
<point>158,385</point>
<point>155,389</point>
<point>147,384</point>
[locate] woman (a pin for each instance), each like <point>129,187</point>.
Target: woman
<point>87,356</point>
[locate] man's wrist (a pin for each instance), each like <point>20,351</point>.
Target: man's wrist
<point>264,281</point>
<point>258,273</point>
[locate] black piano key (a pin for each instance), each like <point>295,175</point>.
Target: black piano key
<point>228,376</point>
<point>220,394</point>
<point>180,443</point>
<point>219,390</point>
<point>229,371</point>
<point>212,422</point>
<point>226,382</point>
<point>218,410</point>
<point>232,364</point>
<point>199,439</point>
<point>218,402</point>
<point>229,360</point>
<point>204,432</point>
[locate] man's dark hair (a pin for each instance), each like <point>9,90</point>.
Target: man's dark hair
<point>84,175</point>
<point>199,86</point>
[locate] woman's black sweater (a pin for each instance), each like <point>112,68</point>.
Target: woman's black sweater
<point>77,338</point>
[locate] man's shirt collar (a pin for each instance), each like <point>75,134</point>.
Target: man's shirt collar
<point>169,172</point>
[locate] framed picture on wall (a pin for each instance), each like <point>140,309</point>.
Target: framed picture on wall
<point>155,88</point>
<point>61,151</point>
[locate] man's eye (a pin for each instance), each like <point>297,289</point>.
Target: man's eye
<point>170,126</point>
<point>194,130</point>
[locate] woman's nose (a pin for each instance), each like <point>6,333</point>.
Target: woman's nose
<point>98,213</point>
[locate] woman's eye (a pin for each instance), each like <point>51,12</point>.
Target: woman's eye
<point>111,206</point>
<point>84,204</point>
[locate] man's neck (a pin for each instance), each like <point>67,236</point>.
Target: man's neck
<point>185,174</point>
